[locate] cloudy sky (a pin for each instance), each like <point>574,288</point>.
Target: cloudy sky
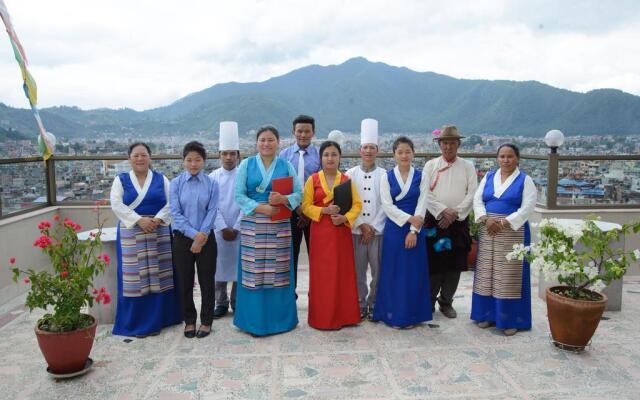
<point>143,54</point>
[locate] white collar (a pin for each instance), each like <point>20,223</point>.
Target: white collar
<point>498,186</point>
<point>404,186</point>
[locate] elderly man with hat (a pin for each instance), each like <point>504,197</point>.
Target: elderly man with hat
<point>227,222</point>
<point>367,230</point>
<point>452,184</point>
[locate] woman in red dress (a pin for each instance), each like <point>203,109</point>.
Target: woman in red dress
<point>333,294</point>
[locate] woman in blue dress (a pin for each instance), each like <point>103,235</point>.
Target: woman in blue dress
<point>147,299</point>
<point>503,203</point>
<point>404,294</point>
<point>265,302</point>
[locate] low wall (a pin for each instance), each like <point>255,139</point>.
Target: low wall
<point>18,233</point>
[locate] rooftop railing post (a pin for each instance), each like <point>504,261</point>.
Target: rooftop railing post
<point>552,180</point>
<point>51,181</point>
<point>553,139</point>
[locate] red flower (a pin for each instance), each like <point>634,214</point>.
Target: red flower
<point>43,241</point>
<point>106,259</point>
<point>12,260</point>
<point>106,298</point>
<point>69,223</point>
<point>26,280</point>
<point>56,217</point>
<point>95,291</point>
<point>44,225</point>
<point>64,274</point>
<point>103,290</point>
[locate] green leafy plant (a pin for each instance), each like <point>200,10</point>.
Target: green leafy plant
<point>68,286</point>
<point>586,270</point>
<point>474,227</point>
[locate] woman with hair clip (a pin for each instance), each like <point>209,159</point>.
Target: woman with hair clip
<point>194,202</point>
<point>333,291</point>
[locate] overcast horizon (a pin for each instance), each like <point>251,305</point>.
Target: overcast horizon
<point>147,54</point>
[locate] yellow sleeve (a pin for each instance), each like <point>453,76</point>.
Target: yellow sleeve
<point>356,206</point>
<point>311,211</point>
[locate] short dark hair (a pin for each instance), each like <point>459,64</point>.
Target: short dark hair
<point>194,146</point>
<point>269,128</point>
<point>304,119</point>
<point>510,145</point>
<point>136,144</point>
<point>402,139</point>
<point>329,143</point>
<point>237,151</point>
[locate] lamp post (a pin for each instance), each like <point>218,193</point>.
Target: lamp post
<point>554,139</point>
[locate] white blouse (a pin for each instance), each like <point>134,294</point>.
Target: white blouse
<point>125,213</point>
<point>529,198</point>
<point>395,214</point>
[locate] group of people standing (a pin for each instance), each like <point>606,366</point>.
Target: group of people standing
<point>244,224</point>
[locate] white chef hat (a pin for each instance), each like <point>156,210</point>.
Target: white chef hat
<point>229,136</point>
<point>369,131</point>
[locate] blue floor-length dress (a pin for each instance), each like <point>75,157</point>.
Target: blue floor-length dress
<point>152,312</point>
<point>404,294</point>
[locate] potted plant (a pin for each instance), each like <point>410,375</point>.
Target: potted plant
<point>575,307</point>
<point>474,232</point>
<point>65,334</point>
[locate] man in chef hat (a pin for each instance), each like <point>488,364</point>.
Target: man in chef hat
<point>227,223</point>
<point>367,230</point>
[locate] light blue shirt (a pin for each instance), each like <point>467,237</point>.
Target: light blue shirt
<point>311,158</point>
<point>193,201</point>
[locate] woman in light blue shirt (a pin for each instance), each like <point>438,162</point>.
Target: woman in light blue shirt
<point>193,204</point>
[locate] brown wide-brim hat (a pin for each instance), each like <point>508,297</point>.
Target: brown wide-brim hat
<point>448,132</point>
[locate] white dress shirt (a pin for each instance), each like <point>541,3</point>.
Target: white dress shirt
<point>125,213</point>
<point>395,214</point>
<point>454,189</point>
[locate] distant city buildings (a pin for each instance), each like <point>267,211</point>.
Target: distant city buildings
<point>580,181</point>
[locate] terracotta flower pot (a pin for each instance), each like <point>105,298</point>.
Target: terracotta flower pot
<point>472,256</point>
<point>573,322</point>
<point>66,352</point>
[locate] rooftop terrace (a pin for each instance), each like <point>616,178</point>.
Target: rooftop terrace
<point>442,359</point>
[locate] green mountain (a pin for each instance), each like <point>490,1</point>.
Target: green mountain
<point>339,96</point>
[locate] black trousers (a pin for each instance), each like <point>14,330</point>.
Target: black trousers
<point>296,236</point>
<point>185,262</point>
<point>445,284</point>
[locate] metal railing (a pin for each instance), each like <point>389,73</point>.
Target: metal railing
<point>549,197</point>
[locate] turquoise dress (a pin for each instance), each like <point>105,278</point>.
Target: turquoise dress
<point>265,302</point>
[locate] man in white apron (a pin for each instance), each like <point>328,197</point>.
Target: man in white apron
<point>367,230</point>
<point>227,223</point>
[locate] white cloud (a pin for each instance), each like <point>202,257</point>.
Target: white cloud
<point>144,54</point>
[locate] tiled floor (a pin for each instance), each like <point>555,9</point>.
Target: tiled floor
<point>440,360</point>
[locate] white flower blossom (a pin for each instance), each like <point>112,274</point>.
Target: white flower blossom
<point>597,286</point>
